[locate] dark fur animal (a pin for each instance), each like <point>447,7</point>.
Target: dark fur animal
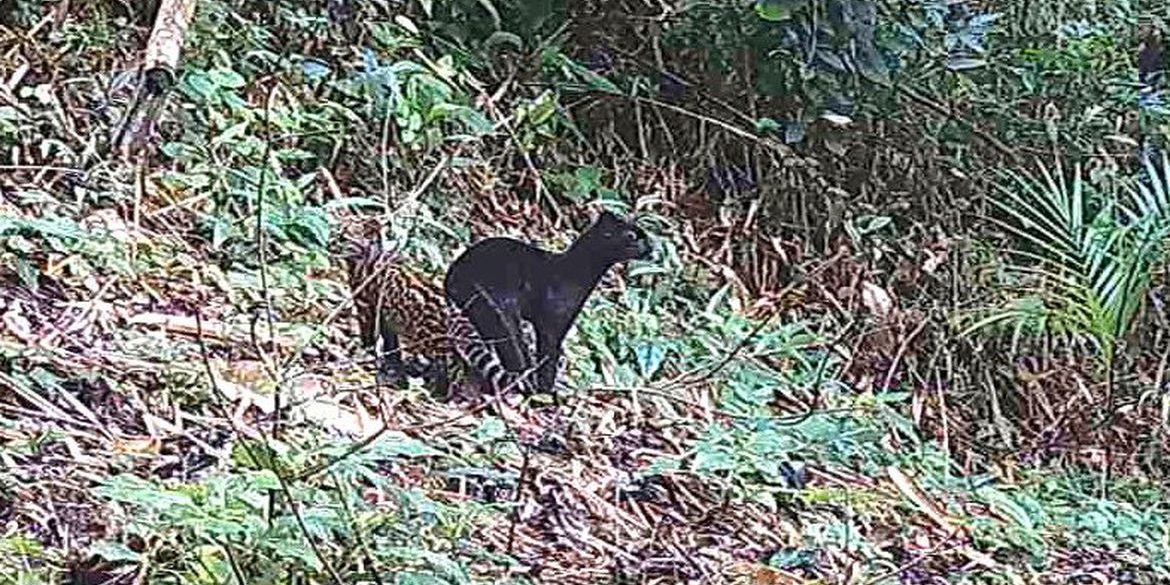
<point>1150,59</point>
<point>422,333</point>
<point>1150,73</point>
<point>500,282</point>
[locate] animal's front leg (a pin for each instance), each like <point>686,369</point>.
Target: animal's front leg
<point>390,369</point>
<point>548,360</point>
<point>437,373</point>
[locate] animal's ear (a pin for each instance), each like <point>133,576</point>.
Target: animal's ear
<point>590,220</point>
<point>607,217</point>
<point>608,220</point>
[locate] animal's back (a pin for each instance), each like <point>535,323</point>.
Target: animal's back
<point>503,266</point>
<point>419,315</point>
<point>389,292</point>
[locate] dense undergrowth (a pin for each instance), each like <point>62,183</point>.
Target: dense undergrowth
<point>832,371</point>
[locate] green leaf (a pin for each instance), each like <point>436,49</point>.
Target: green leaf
<point>220,232</point>
<point>587,180</point>
<point>767,125</point>
<point>539,110</point>
<point>9,224</point>
<point>10,114</point>
<point>312,225</point>
<point>198,85</point>
<point>650,357</point>
<point>227,78</point>
<point>298,550</point>
<point>646,268</point>
<point>471,118</point>
<point>1007,506</point>
<point>709,459</point>
<point>133,490</point>
<point>776,10</point>
<point>54,227</point>
<point>718,300</point>
<point>600,83</point>
<point>28,273</point>
<point>490,429</point>
<point>46,379</point>
<point>391,445</point>
<point>264,480</point>
<point>114,552</point>
<point>412,578</point>
<point>354,202</point>
<point>232,133</point>
<point>660,465</point>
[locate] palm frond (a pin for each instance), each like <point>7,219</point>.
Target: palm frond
<point>1084,277</point>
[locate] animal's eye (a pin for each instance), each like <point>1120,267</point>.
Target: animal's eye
<point>631,236</point>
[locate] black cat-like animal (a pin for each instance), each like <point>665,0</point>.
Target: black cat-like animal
<point>500,281</point>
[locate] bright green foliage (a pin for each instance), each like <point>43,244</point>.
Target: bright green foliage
<point>1091,253</point>
<point>206,532</point>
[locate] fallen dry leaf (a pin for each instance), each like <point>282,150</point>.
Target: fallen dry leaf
<point>876,299</point>
<point>17,324</point>
<point>137,445</point>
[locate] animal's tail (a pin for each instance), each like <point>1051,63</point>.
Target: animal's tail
<point>482,358</point>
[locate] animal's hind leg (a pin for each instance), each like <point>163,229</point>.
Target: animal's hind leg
<point>439,375</point>
<point>433,371</point>
<point>367,330</point>
<point>500,330</point>
<point>390,369</point>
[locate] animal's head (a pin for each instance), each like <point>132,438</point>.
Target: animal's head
<point>618,238</point>
<point>356,240</point>
<point>357,251</point>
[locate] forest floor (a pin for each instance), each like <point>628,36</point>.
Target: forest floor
<point>158,424</point>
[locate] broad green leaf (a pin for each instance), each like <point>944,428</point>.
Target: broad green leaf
<point>776,10</point>
<point>114,552</point>
<point>396,444</point>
